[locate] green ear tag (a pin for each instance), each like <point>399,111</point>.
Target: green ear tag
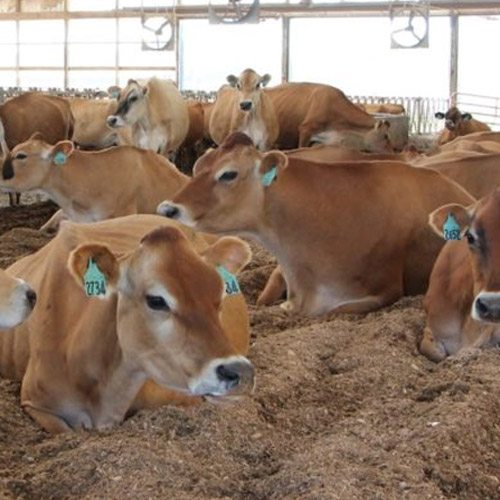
<point>268,178</point>
<point>60,158</point>
<point>232,286</point>
<point>451,228</point>
<point>115,94</point>
<point>94,280</point>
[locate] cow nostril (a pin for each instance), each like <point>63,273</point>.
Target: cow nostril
<point>31,298</point>
<point>245,106</point>
<point>171,211</point>
<point>481,307</point>
<point>227,374</point>
<point>112,120</point>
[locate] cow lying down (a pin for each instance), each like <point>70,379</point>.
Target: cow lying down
<point>122,302</point>
<point>348,237</point>
<point>91,186</point>
<point>463,299</point>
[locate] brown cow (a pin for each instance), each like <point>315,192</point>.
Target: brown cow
<point>17,300</point>
<point>348,237</point>
<point>305,109</point>
<point>91,131</point>
<point>244,107</point>
<point>32,112</point>
<point>457,124</point>
<point>92,186</point>
<point>120,302</point>
<point>463,299</point>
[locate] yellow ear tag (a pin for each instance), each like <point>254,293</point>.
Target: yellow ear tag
<point>94,280</point>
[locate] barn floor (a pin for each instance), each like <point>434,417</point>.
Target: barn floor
<point>345,408</point>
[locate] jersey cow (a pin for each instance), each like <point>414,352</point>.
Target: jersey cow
<point>156,112</point>
<point>457,123</point>
<point>17,300</point>
<point>244,107</point>
<point>91,186</point>
<point>123,303</point>
<point>306,109</point>
<point>463,299</point>
<point>91,130</point>
<point>347,237</point>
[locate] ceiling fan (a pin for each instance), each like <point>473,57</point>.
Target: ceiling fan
<point>158,33</point>
<point>236,12</point>
<point>410,26</point>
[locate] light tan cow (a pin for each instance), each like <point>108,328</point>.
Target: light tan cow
<point>17,300</point>
<point>385,108</point>
<point>92,186</point>
<point>244,107</point>
<point>478,173</point>
<point>306,109</point>
<point>156,112</point>
<point>457,124</point>
<point>349,238</point>
<point>463,299</point>
<point>122,302</point>
<point>91,130</point>
<point>376,140</point>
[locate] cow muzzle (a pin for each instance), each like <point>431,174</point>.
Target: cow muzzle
<point>7,169</point>
<point>449,124</point>
<point>486,307</point>
<point>231,376</point>
<point>114,121</point>
<point>175,211</point>
<point>246,105</point>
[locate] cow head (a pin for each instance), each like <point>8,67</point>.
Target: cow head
<point>249,86</point>
<point>378,140</point>
<point>169,302</point>
<point>131,107</point>
<point>226,193</point>
<point>17,300</point>
<point>29,163</point>
<point>479,226</point>
<point>453,117</point>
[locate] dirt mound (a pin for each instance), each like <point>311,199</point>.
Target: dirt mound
<point>345,407</point>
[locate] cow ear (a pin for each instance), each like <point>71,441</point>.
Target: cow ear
<point>232,80</point>
<point>450,221</point>
<point>229,252</point>
<point>439,115</point>
<point>61,152</point>
<point>271,165</point>
<point>114,91</point>
<point>466,116</point>
<point>37,136</point>
<point>95,268</point>
<point>265,79</point>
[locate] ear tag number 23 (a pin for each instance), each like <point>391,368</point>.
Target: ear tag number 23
<point>230,281</point>
<point>94,280</point>
<point>451,228</point>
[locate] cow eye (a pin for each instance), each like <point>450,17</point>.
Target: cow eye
<point>471,239</point>
<point>238,86</point>
<point>133,98</point>
<point>227,176</point>
<point>20,156</point>
<point>257,86</point>
<point>157,303</point>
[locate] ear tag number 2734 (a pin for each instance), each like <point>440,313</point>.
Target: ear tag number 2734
<point>451,228</point>
<point>230,281</point>
<point>94,280</point>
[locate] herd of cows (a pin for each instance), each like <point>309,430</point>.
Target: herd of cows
<point>140,305</point>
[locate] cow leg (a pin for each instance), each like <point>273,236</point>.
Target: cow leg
<point>274,290</point>
<point>432,348</point>
<point>48,421</point>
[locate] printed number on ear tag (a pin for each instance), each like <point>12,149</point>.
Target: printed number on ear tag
<point>94,280</point>
<point>230,281</point>
<point>451,228</point>
<point>60,158</point>
<point>268,178</point>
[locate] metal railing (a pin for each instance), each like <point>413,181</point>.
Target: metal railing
<point>482,108</point>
